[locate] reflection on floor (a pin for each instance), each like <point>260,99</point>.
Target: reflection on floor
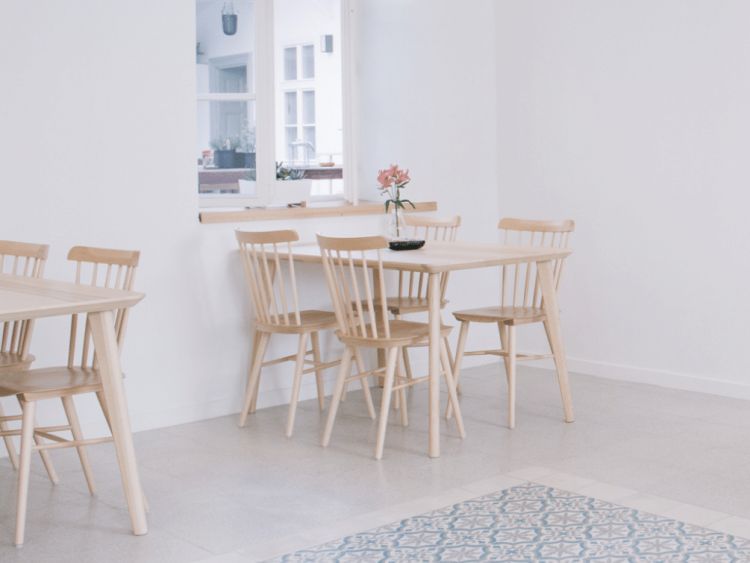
<point>221,493</point>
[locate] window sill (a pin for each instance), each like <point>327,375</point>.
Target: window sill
<point>326,209</point>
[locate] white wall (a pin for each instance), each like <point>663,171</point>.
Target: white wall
<point>633,119</point>
<point>98,137</point>
<point>427,102</point>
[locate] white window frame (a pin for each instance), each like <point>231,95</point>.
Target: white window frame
<point>265,108</point>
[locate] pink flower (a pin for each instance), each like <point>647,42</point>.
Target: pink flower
<point>384,179</point>
<point>393,176</point>
<point>402,177</point>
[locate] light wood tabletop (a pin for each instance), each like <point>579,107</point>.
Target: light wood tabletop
<point>31,298</point>
<point>28,298</point>
<point>437,257</point>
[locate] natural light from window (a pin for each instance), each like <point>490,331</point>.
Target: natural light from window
<point>304,147</point>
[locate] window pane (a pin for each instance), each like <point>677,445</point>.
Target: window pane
<point>308,106</point>
<point>308,62</point>
<point>318,139</point>
<point>290,139</point>
<point>290,108</point>
<point>290,63</point>
<point>309,134</point>
<point>225,146</point>
<point>224,63</point>
<point>225,143</point>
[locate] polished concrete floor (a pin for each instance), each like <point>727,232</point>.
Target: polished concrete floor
<point>226,494</point>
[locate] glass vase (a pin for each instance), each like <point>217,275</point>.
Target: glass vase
<point>396,227</point>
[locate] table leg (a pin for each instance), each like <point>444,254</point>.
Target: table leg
<point>549,296</point>
<point>433,299</point>
<point>108,357</point>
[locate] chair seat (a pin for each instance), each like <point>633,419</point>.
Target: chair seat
<point>406,305</point>
<point>48,383</point>
<point>309,320</point>
<point>506,315</point>
<point>403,333</point>
<point>10,361</point>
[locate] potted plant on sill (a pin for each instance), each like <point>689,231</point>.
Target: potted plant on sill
<point>225,152</point>
<point>245,155</point>
<point>292,187</point>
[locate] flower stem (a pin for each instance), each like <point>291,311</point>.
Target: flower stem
<point>398,226</point>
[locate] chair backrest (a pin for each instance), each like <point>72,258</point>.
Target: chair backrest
<point>269,269</point>
<point>433,228</point>
<point>414,284</point>
<point>519,285</point>
<point>100,267</point>
<point>27,260</point>
<point>348,263</point>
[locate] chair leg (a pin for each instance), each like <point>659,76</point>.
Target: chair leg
<point>503,330</point>
<point>407,363</point>
<point>27,438</point>
<point>402,392</point>
<point>365,383</point>
<point>12,455</point>
<point>254,404</point>
<point>258,352</point>
<point>385,402</point>
<point>75,429</point>
<point>511,376</point>
<point>103,405</point>
<point>299,367</point>
<point>460,347</point>
<point>549,340</point>
<point>396,404</point>
<point>46,461</point>
<point>451,359</point>
<point>451,384</point>
<point>315,340</point>
<point>344,370</point>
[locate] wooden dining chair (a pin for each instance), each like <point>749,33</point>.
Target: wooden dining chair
<point>363,322</point>
<point>412,286</point>
<point>96,267</point>
<point>27,260</point>
<point>272,283</point>
<point>520,299</point>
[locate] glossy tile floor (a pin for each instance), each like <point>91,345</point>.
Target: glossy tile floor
<point>225,494</point>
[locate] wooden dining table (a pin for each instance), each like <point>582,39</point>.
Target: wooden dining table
<point>28,298</point>
<point>437,258</point>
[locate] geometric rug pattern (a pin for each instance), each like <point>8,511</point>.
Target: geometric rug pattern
<point>532,522</point>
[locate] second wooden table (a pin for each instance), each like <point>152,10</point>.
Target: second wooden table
<point>436,258</point>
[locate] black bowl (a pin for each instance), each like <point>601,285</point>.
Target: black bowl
<point>405,244</point>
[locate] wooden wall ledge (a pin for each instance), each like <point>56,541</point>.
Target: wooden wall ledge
<point>317,210</point>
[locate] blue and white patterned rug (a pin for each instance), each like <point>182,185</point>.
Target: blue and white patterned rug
<point>532,522</point>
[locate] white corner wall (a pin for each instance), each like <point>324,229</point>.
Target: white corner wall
<point>98,135</point>
<point>426,93</point>
<point>633,119</point>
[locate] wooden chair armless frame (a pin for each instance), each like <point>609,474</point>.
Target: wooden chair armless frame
<point>272,285</point>
<point>520,299</point>
<point>27,260</point>
<point>355,275</point>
